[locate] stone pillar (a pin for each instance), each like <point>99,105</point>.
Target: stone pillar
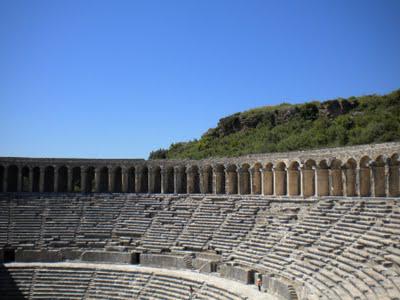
<point>372,178</point>
<point>394,180</point>
<point>41,179</point>
<point>124,178</point>
<point>55,189</point>
<point>387,182</point>
<point>151,180</point>
<point>5,179</point>
<point>138,179</point>
<point>256,181</point>
<point>164,180</point>
<point>30,180</point>
<point>316,191</point>
<point>84,172</point>
<point>111,181</point>
<point>231,182</point>
<point>69,179</point>
<point>190,180</point>
<point>358,181</point>
<point>178,184</point>
<point>350,177</point>
<point>204,180</point>
<point>19,179</point>
<point>380,180</point>
<point>97,175</point>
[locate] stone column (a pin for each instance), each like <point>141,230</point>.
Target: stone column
<point>111,181</point>
<point>30,180</point>
<point>138,179</point>
<point>41,179</point>
<point>177,180</point>
<point>190,180</point>
<point>151,180</point>
<point>387,182</point>
<point>268,181</point>
<point>97,173</point>
<point>372,178</point>
<point>19,179</point>
<point>164,180</point>
<point>394,180</point>
<point>69,179</point>
<point>5,179</point>
<point>124,178</point>
<point>358,191</point>
<point>83,179</point>
<point>231,182</point>
<point>55,188</point>
<point>256,181</point>
<point>204,179</point>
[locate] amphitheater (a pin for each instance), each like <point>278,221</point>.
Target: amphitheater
<point>319,224</point>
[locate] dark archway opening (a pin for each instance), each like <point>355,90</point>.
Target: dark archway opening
<point>12,179</point>
<point>118,180</point>
<point>76,180</point>
<point>36,179</point>
<point>63,179</point>
<point>49,179</point>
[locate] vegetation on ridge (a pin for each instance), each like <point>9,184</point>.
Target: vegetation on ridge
<point>287,127</point>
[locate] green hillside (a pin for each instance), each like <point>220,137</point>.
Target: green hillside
<point>287,127</point>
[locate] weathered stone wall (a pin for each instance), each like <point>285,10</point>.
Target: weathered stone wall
<point>368,170</point>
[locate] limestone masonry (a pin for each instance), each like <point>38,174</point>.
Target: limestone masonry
<point>368,170</point>
<point>321,224</point>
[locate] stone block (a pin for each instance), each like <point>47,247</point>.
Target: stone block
<point>107,257</point>
<point>237,273</point>
<point>38,256</point>
<point>162,261</point>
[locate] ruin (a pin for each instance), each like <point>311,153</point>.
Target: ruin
<point>320,224</point>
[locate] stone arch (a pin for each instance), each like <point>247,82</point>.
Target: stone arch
<point>219,179</point>
<point>131,180</point>
<point>12,178</point>
<point>280,179</point>
<point>379,177</point>
<point>206,180</point>
<point>294,179</point>
<point>36,179</point>
<point>117,180</point>
<point>365,176</point>
<point>193,180</point>
<point>231,179</point>
<point>256,184</point>
<point>350,172</point>
<point>62,179</point>
<point>268,179</point>
<point>336,178</point>
<point>323,185</point>
<point>244,179</point>
<point>90,180</point>
<point>1,178</point>
<point>394,189</point>
<point>76,180</point>
<point>180,182</point>
<point>309,178</point>
<point>25,182</point>
<point>49,179</point>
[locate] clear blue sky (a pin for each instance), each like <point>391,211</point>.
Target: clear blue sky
<point>122,78</point>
